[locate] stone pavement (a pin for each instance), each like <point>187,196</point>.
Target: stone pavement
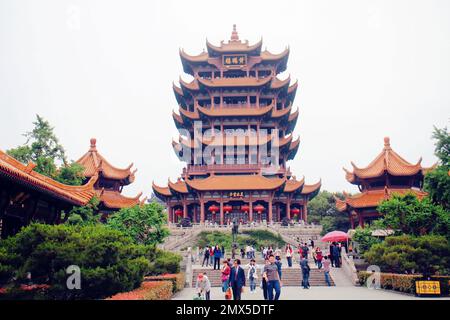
<point>314,293</point>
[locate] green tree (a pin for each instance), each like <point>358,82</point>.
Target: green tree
<point>409,215</point>
<point>145,224</point>
<point>43,148</point>
<point>322,210</point>
<point>363,237</point>
<point>109,261</point>
<point>437,182</point>
<point>85,215</point>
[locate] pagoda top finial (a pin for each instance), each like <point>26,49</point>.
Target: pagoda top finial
<point>234,34</point>
<point>93,144</point>
<point>387,142</point>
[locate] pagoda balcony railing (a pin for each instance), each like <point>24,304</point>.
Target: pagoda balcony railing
<point>193,169</point>
<point>234,105</point>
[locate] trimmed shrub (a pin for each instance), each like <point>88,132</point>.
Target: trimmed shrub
<point>151,290</point>
<point>403,282</point>
<point>178,280</point>
<point>428,254</point>
<point>164,262</point>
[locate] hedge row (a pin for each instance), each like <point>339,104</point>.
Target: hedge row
<point>178,280</point>
<point>403,282</point>
<point>149,290</point>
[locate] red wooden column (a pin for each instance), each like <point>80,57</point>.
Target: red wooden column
<point>202,212</point>
<point>221,212</point>
<point>270,211</point>
<point>250,211</point>
<point>305,212</point>
<point>288,208</point>
<point>278,212</point>
<point>169,213</point>
<point>361,220</point>
<point>185,213</point>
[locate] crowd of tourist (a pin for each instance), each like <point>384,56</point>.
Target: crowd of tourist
<point>268,276</point>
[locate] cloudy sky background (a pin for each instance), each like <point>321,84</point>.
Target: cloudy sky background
<point>104,69</point>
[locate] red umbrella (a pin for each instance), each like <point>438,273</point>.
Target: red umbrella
<point>335,236</point>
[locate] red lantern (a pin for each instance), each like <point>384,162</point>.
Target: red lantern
<point>227,208</point>
<point>245,208</point>
<point>295,211</point>
<point>213,208</point>
<point>179,212</point>
<point>259,208</point>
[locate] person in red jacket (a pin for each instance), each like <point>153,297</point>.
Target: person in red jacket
<point>225,274</point>
<point>319,258</point>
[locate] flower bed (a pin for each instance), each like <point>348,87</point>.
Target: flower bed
<point>403,282</point>
<point>178,280</point>
<point>149,290</point>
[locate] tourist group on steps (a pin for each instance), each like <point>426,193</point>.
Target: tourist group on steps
<point>268,276</point>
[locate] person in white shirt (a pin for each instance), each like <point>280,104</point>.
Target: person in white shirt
<point>252,275</point>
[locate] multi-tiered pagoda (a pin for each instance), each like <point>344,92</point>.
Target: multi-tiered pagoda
<point>236,125</point>
<point>388,173</point>
<point>110,182</point>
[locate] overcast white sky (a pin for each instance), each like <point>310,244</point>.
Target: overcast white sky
<point>104,69</point>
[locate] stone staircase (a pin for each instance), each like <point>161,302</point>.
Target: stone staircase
<point>290,277</point>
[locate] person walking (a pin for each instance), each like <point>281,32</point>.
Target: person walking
<point>217,255</point>
<point>225,274</point>
<point>233,252</point>
<point>205,257</point>
<point>312,243</point>
<point>211,255</point>
<point>242,253</point>
<point>272,276</point>
<point>326,270</point>
<point>319,258</point>
<point>331,254</point>
<point>279,264</point>
<point>305,272</point>
<point>305,251</point>
<point>264,280</point>
<point>237,279</point>
<point>223,251</point>
<point>288,253</point>
<point>335,255</point>
<point>203,286</point>
<point>252,275</point>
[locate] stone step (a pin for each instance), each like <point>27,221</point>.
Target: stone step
<point>290,277</point>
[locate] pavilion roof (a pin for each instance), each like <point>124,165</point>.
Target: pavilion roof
<point>232,82</point>
<point>235,140</point>
<point>372,198</point>
<point>203,57</point>
<point>115,200</point>
<point>235,111</point>
<point>387,161</point>
<point>163,191</point>
<point>236,182</point>
<point>312,189</point>
<point>178,186</point>
<point>234,45</point>
<point>294,185</point>
<point>24,174</point>
<point>94,163</point>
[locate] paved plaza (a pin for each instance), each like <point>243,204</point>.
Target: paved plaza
<point>314,293</point>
